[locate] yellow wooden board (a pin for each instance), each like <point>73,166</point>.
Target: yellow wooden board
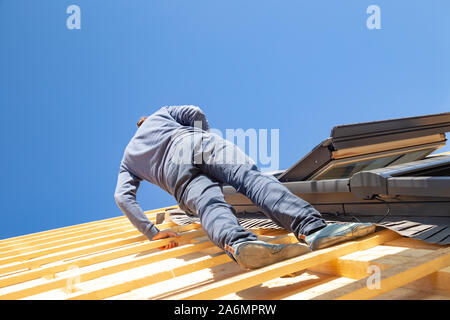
<point>109,259</point>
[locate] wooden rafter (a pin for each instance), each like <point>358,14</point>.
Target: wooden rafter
<point>110,259</point>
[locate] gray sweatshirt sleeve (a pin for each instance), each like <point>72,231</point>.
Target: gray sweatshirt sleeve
<point>189,116</point>
<point>125,196</point>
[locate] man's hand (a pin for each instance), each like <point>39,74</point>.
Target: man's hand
<point>167,234</point>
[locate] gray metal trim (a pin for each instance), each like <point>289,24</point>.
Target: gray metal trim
<point>419,186</point>
<point>331,186</point>
<point>314,186</point>
<point>386,181</point>
<point>319,186</point>
<point>407,209</point>
<point>334,196</point>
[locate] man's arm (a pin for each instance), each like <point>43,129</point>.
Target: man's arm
<point>189,116</point>
<point>125,196</point>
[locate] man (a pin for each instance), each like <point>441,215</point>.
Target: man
<point>174,150</point>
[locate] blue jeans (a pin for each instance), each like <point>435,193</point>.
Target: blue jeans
<point>212,162</point>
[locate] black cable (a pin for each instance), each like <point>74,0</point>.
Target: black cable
<point>355,218</point>
<point>388,209</point>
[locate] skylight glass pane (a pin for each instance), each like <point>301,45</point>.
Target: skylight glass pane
<point>349,169</point>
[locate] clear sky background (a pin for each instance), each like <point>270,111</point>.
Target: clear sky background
<point>70,99</point>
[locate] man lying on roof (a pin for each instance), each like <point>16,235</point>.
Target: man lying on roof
<point>173,149</point>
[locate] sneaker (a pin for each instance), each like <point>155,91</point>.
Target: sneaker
<point>257,254</point>
<point>335,233</point>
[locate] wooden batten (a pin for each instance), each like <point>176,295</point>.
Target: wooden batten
<point>110,259</point>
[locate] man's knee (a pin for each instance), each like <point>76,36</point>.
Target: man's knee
<point>244,176</point>
<point>213,203</point>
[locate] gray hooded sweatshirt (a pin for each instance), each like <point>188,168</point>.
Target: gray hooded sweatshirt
<point>145,157</point>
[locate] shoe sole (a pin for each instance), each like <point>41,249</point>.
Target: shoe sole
<point>253,256</point>
<point>358,232</point>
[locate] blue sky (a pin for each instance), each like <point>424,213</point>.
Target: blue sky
<point>70,98</point>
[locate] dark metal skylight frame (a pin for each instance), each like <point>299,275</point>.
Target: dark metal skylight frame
<point>395,134</point>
